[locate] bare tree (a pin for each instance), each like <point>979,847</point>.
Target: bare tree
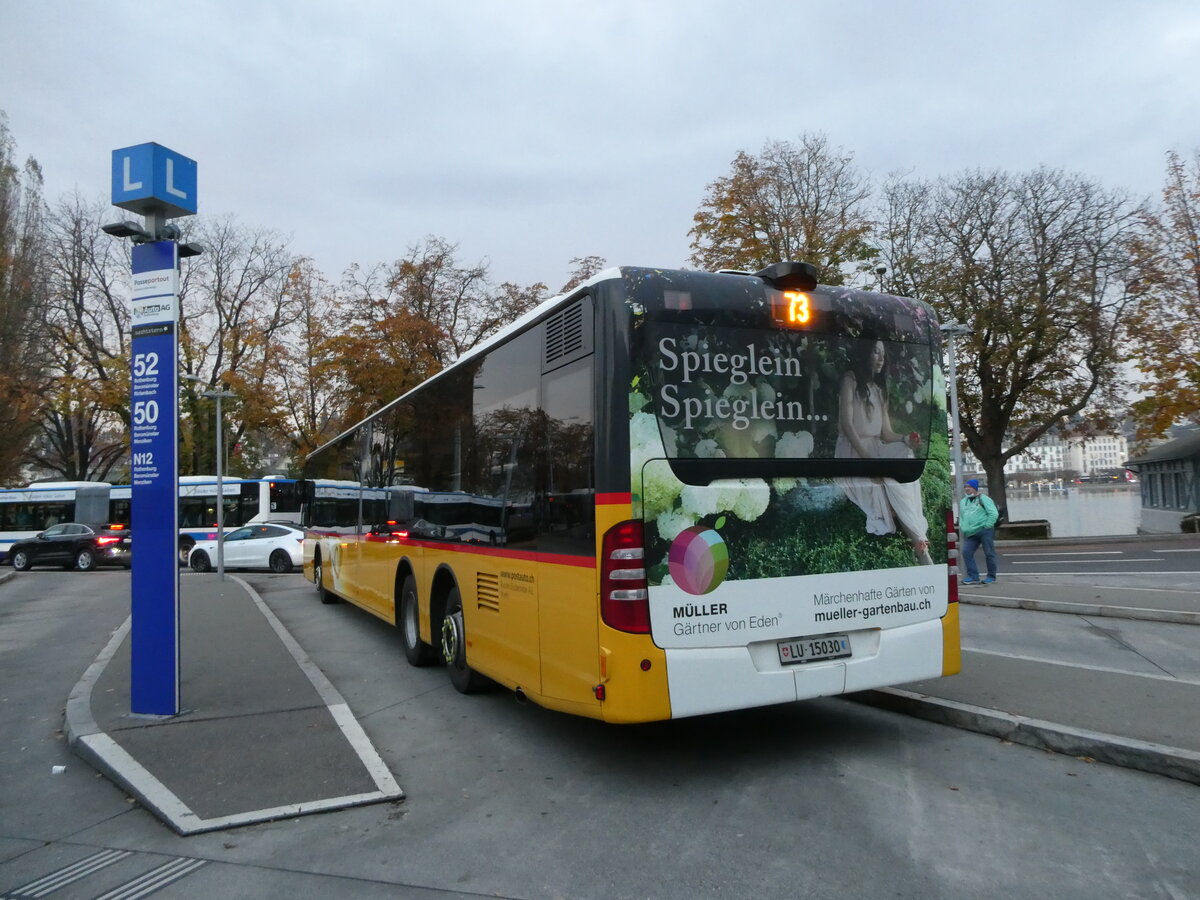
<point>309,376</point>
<point>803,202</point>
<point>234,310</point>
<point>84,417</point>
<point>1038,266</point>
<point>22,294</point>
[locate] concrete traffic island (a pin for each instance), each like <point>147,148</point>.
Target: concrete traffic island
<point>263,735</point>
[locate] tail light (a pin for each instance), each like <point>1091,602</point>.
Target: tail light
<point>106,540</point>
<point>952,554</point>
<point>624,594</point>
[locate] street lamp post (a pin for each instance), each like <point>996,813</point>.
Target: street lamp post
<point>952,330</point>
<point>218,396</point>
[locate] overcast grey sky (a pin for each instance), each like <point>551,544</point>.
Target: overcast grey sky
<point>531,131</point>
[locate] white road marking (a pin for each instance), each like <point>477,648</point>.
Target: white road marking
<point>1059,662</point>
<point>1067,562</point>
<point>1077,553</point>
<point>47,884</point>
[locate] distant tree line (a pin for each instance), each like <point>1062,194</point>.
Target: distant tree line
<point>1065,284</point>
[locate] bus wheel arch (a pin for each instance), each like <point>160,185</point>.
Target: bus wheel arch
<point>323,593</point>
<point>453,634</point>
<point>408,618</point>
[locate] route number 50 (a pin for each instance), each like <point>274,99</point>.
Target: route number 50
<point>145,412</point>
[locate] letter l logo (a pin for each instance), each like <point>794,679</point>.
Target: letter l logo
<point>130,185</point>
<point>171,189</point>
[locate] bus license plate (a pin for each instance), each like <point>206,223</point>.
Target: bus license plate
<point>815,649</point>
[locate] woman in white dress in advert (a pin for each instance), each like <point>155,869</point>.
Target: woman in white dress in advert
<point>865,432</point>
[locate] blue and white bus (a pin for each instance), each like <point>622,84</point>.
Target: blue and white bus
<point>26,512</point>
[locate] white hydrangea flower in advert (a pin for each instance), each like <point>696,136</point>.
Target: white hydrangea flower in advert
<point>794,445</point>
<point>660,489</point>
<point>784,485</point>
<point>669,440</point>
<point>752,500</point>
<point>908,407</point>
<point>746,498</point>
<point>645,442</point>
<point>700,500</point>
<point>709,449</point>
<point>939,388</point>
<point>671,524</point>
<point>761,428</point>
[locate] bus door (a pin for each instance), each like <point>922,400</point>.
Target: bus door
<point>499,571</point>
<point>567,594</point>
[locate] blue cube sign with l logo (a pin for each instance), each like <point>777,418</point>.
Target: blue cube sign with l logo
<point>150,179</point>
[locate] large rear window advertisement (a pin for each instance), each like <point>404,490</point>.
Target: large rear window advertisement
<point>704,391</point>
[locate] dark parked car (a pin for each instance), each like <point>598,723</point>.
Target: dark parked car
<point>74,545</point>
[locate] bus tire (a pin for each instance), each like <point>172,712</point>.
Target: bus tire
<point>416,651</point>
<point>200,562</point>
<point>21,561</point>
<point>454,648</point>
<point>185,550</point>
<point>280,562</point>
<point>325,596</point>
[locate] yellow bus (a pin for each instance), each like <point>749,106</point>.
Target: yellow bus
<point>664,494</point>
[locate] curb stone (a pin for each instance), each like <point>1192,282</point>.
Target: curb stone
<point>1157,759</point>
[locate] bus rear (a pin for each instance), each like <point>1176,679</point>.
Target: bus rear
<point>785,535</point>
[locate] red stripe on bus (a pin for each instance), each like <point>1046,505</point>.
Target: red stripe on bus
<point>558,559</point>
<point>613,499</point>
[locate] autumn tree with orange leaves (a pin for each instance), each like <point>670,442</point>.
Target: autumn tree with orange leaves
<point>1165,325</point>
<point>805,202</point>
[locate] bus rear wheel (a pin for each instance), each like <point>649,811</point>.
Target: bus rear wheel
<point>416,651</point>
<point>454,648</point>
<point>319,580</point>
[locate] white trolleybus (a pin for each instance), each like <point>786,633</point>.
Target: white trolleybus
<point>24,512</point>
<point>665,494</point>
<point>27,512</point>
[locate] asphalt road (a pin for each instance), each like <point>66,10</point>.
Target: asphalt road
<point>826,798</point>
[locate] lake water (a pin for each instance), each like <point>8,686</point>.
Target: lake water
<point>1080,512</point>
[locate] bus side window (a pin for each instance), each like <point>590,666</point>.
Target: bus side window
<point>567,499</point>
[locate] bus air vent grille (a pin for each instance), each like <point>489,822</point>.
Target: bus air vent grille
<point>487,591</point>
<point>567,336</point>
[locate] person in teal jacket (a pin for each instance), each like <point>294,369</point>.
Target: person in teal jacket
<point>977,517</point>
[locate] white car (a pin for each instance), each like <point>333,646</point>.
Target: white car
<point>271,546</point>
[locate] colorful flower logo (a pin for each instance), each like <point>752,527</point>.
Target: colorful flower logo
<point>698,559</point>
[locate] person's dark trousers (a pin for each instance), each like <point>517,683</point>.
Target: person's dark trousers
<point>986,539</point>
